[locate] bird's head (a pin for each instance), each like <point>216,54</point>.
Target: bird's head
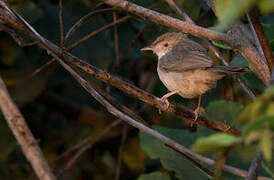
<point>164,43</point>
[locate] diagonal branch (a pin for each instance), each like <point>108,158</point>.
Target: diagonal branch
<point>179,11</point>
<point>60,13</point>
<point>254,167</point>
<point>23,135</point>
<point>253,15</point>
<point>148,98</point>
<point>86,144</point>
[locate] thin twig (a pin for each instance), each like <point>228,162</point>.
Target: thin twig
<point>15,35</point>
<point>23,135</point>
<point>211,4</point>
<point>116,40</point>
<point>84,19</point>
<point>61,24</point>
<point>82,143</point>
<point>88,143</point>
<point>254,167</point>
<point>90,35</point>
<point>41,68</point>
<point>123,139</point>
<point>80,22</point>
<point>179,11</point>
<point>130,43</point>
<point>77,43</point>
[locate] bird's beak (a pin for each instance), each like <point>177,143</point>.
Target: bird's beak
<point>147,48</point>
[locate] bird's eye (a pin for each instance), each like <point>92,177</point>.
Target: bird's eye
<point>166,44</point>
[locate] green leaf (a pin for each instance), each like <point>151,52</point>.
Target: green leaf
<point>262,106</point>
<point>266,144</point>
<point>169,158</point>
<point>268,169</point>
<point>214,142</point>
<point>269,31</point>
<point>154,176</point>
<point>223,46</point>
<point>250,78</point>
<point>229,11</point>
<point>266,6</point>
<point>239,61</point>
<point>253,81</point>
<point>259,123</point>
<point>269,91</point>
<point>223,110</point>
<point>251,112</point>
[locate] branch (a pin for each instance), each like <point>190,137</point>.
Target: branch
<point>254,167</point>
<point>167,20</point>
<point>120,152</point>
<point>87,144</point>
<point>179,11</point>
<point>23,135</point>
<point>84,19</point>
<point>253,15</point>
<point>60,13</point>
<point>148,98</point>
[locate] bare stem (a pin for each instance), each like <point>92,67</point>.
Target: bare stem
<point>23,135</point>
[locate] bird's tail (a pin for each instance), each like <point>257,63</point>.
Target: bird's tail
<point>229,70</point>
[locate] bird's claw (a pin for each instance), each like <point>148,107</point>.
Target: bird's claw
<point>166,104</point>
<point>165,100</point>
<point>196,115</point>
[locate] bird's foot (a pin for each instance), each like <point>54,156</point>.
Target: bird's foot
<point>196,113</point>
<point>165,100</point>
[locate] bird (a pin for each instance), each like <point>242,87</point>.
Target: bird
<point>185,67</point>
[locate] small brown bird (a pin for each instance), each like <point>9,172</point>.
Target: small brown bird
<point>185,67</point>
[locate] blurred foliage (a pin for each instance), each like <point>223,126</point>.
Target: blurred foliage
<point>228,11</point>
<point>169,158</point>
<point>60,113</point>
<point>154,175</point>
<point>222,111</point>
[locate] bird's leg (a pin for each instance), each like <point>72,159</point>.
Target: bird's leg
<point>197,109</point>
<point>164,98</point>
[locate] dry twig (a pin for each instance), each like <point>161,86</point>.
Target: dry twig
<point>264,44</point>
<point>254,167</point>
<point>86,144</point>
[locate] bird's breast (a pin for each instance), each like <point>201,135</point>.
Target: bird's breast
<point>190,83</point>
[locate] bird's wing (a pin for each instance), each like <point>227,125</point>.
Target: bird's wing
<point>186,58</point>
